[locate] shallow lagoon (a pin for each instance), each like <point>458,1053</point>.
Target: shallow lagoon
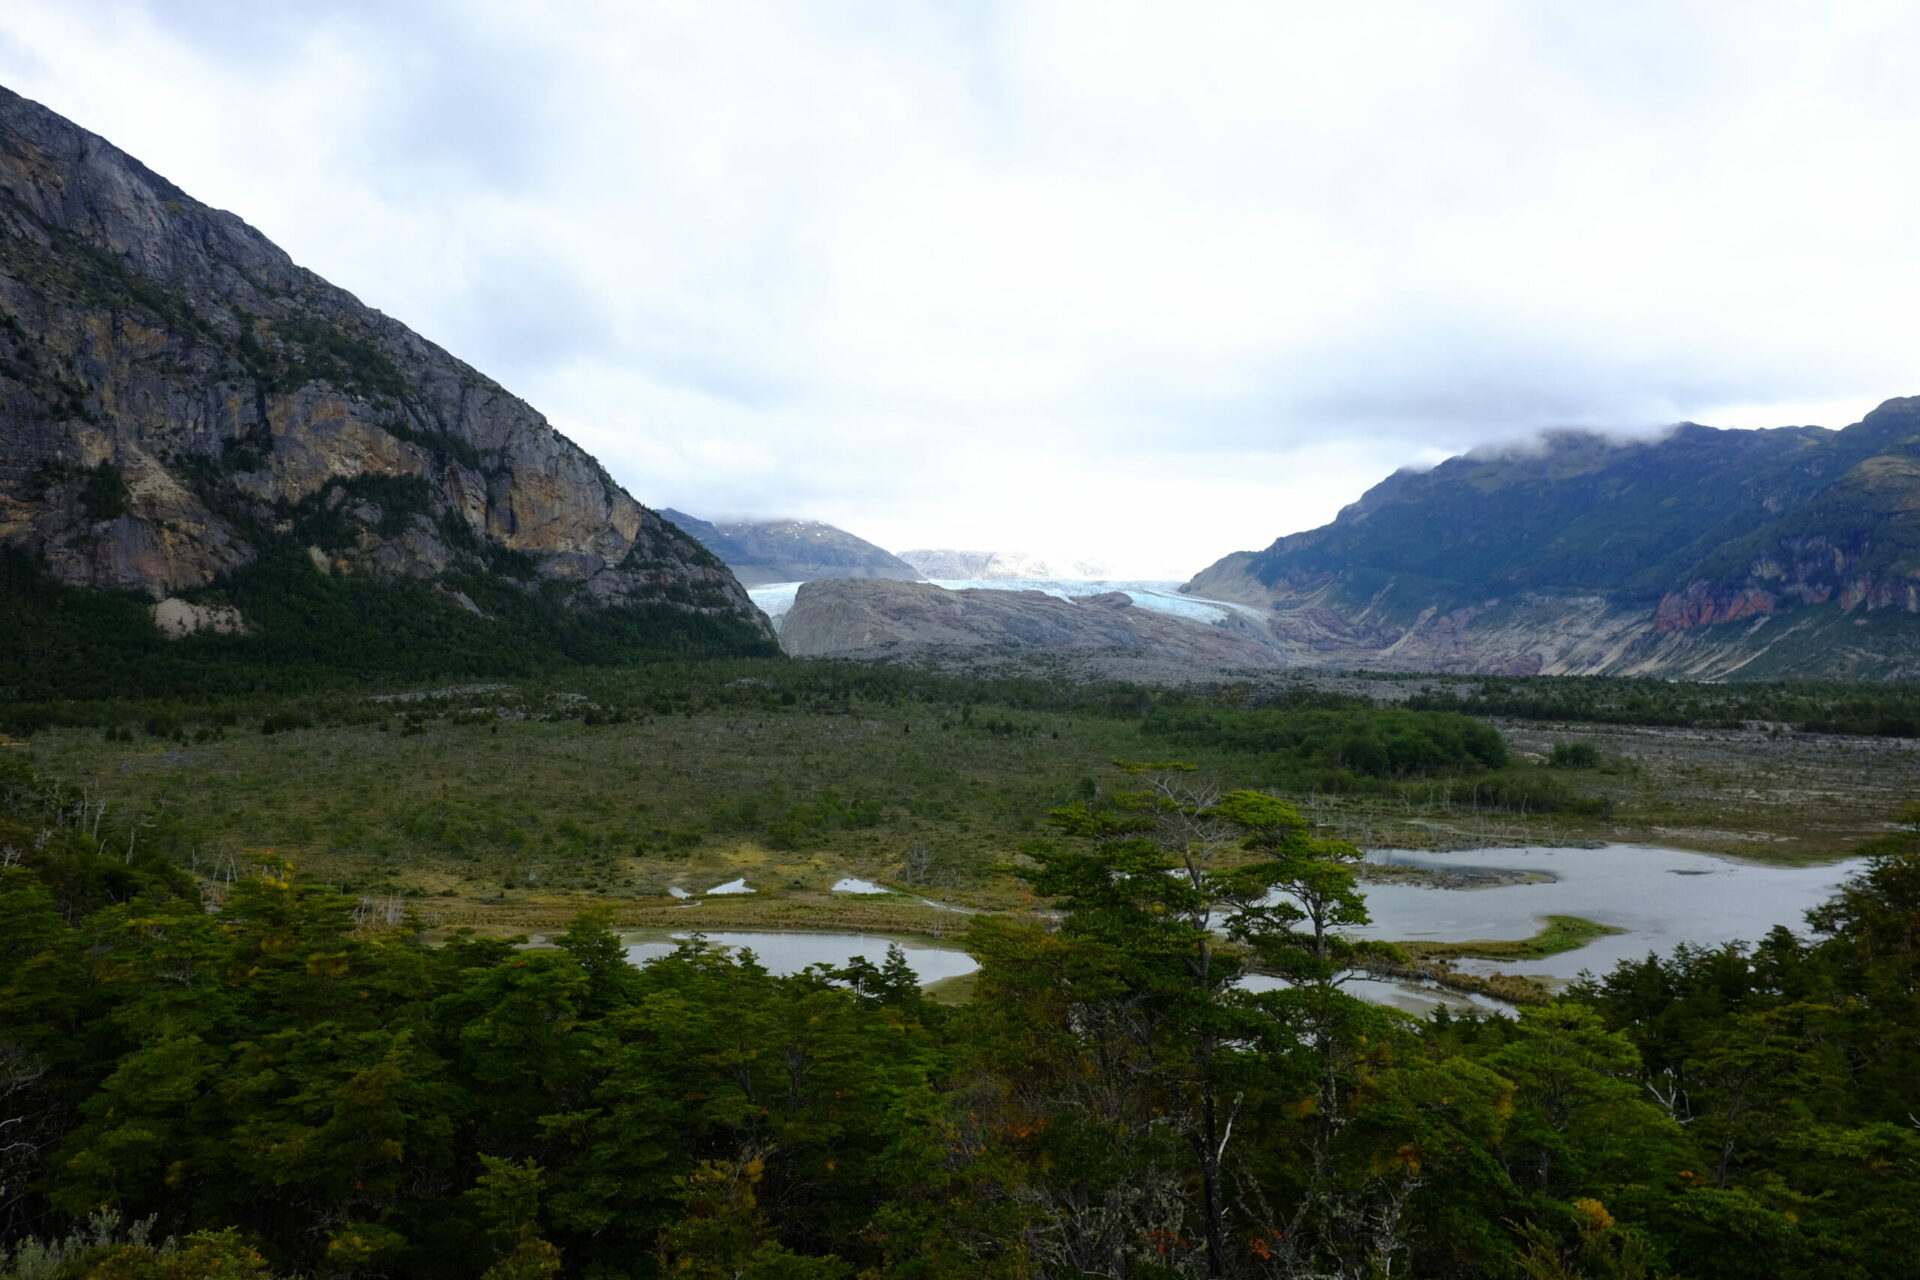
<point>1661,897</point>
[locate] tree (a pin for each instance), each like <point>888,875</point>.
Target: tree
<point>1872,951</point>
<point>1178,887</point>
<point>507,1194</point>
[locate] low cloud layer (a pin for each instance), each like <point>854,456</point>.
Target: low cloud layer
<point>1146,283</point>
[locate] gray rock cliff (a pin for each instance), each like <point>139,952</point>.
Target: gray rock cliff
<point>179,397</point>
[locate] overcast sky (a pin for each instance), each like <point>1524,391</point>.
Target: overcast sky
<point>1144,282</point>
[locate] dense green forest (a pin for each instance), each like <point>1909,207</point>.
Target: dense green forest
<point>315,631</point>
<point>1884,710</point>
<point>264,1084</point>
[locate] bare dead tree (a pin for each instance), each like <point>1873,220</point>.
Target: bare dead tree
<point>1672,1098</point>
<point>134,834</point>
<point>28,1123</point>
<point>919,862</point>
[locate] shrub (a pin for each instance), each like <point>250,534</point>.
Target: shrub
<point>1573,755</point>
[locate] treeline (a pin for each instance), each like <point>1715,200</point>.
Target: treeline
<point>313,631</point>
<point>1379,743</point>
<point>648,682</point>
<point>293,1086</point>
<point>1344,745</point>
<point>1876,710</point>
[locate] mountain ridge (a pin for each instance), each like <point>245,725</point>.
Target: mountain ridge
<point>1642,547</point>
<point>791,550</point>
<point>188,408</point>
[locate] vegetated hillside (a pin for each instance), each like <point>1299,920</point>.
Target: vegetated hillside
<point>950,564</point>
<point>192,418</point>
<point>763,551</point>
<point>1710,553</point>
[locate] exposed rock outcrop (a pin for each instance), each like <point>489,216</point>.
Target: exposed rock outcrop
<point>177,618</point>
<point>1705,553</point>
<point>181,401</point>
<point>849,617</point>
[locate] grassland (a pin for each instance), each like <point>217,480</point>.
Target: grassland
<point>1563,933</point>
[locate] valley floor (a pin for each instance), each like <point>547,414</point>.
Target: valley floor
<point>508,805</point>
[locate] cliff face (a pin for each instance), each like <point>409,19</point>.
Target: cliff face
<point>1706,553</point>
<point>181,401</point>
<point>763,551</point>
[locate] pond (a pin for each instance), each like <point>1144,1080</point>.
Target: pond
<point>853,884</point>
<point>791,952</point>
<point>1660,897</point>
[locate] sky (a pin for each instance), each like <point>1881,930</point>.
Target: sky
<point>1144,283</point>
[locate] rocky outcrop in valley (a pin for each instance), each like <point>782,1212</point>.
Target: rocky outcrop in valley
<point>882,618</point>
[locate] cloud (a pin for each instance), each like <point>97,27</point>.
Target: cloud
<point>1146,283</point>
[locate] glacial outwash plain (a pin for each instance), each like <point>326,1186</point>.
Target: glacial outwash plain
<point>421,858</point>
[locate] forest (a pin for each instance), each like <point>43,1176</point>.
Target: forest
<point>262,1081</point>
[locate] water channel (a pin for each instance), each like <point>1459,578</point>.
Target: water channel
<point>1658,897</point>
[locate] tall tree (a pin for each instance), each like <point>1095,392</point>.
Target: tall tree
<point>1183,889</point>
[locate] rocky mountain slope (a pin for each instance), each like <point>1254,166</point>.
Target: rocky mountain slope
<point>190,416</point>
<point>1000,565</point>
<point>1704,553</point>
<point>866,618</point>
<point>763,551</point>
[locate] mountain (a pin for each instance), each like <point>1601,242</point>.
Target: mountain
<point>996,565</point>
<point>193,418</point>
<point>763,551</point>
<point>1704,553</point>
<point>876,617</point>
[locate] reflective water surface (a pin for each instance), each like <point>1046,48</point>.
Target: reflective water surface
<point>1660,897</point>
<point>792,952</point>
<point>854,884</point>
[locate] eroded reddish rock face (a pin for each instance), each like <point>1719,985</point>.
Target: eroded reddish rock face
<point>1702,553</point>
<point>1701,605</point>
